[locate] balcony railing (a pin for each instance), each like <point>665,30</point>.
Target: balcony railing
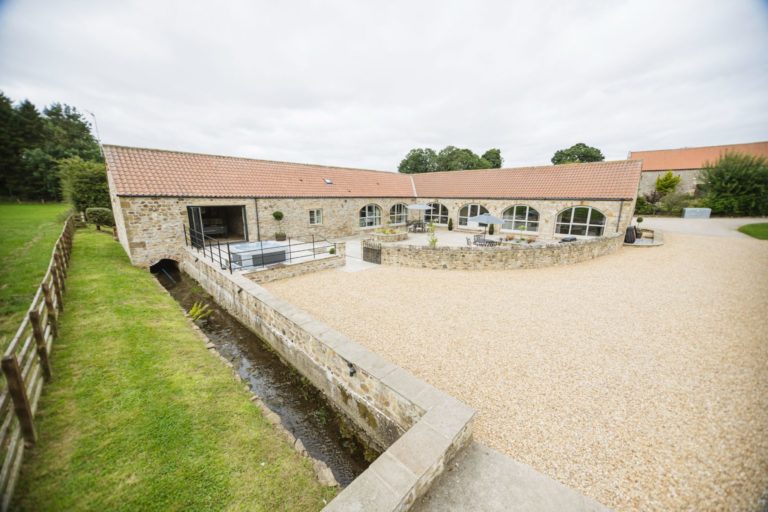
<point>244,255</point>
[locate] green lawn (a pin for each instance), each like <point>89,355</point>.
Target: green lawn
<point>27,235</point>
<point>140,416</point>
<point>759,230</point>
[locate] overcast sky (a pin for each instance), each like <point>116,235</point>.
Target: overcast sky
<point>360,83</point>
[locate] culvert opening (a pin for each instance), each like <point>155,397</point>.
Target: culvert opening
<point>168,268</point>
<point>303,409</point>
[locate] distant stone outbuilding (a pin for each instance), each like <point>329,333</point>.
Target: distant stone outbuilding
<point>686,163</point>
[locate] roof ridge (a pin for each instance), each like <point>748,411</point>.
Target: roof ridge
<point>550,166</point>
<point>247,158</point>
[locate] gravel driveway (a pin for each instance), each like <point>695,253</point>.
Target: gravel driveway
<point>639,378</point>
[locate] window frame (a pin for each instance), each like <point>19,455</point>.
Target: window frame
<point>403,214</point>
<point>317,212</point>
<point>469,206</point>
<point>429,215</point>
<point>587,225</point>
<point>515,221</point>
<point>372,211</point>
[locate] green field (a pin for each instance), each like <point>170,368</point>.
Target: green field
<point>759,230</point>
<point>27,235</point>
<point>140,416</point>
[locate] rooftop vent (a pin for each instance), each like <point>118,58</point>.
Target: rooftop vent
<point>328,181</point>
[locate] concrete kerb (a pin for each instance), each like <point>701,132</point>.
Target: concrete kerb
<point>423,427</point>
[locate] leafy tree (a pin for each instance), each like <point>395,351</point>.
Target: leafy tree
<point>84,183</point>
<point>31,144</point>
<point>578,153</point>
<point>737,184</point>
<point>418,160</point>
<point>450,158</point>
<point>667,183</point>
<point>9,154</point>
<point>493,157</point>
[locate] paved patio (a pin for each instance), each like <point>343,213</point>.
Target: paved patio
<point>640,378</point>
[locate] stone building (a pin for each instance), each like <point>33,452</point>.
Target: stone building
<point>162,199</point>
<point>686,163</point>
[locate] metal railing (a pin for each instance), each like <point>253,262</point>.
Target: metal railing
<point>235,255</point>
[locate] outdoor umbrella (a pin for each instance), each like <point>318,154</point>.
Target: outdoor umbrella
<point>486,219</point>
<point>419,207</point>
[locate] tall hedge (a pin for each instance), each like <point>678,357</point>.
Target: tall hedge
<point>737,184</point>
<point>84,183</point>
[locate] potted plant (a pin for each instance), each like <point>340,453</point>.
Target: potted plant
<point>450,224</point>
<point>280,234</point>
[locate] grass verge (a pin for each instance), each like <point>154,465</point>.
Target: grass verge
<point>140,416</point>
<point>28,232</point>
<point>759,230</point>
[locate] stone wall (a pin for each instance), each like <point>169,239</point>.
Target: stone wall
<point>284,271</point>
<point>499,258</point>
<point>151,228</point>
<point>548,210</point>
<point>688,181</point>
<point>419,427</point>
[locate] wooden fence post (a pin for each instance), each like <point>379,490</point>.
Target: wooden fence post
<point>39,333</point>
<point>53,316</point>
<point>19,395</point>
<point>57,286</point>
<point>60,269</point>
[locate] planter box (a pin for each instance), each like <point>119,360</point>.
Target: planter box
<point>396,237</point>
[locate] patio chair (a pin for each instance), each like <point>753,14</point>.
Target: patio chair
<point>469,242</point>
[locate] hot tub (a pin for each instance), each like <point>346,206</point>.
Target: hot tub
<point>257,254</point>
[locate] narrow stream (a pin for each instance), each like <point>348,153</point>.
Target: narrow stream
<point>303,410</point>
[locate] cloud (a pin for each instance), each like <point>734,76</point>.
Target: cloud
<point>360,83</point>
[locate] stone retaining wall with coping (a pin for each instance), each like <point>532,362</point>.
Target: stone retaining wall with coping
<point>284,271</point>
<point>418,427</point>
<point>499,258</point>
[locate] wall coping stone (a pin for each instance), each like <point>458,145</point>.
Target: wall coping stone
<point>406,469</point>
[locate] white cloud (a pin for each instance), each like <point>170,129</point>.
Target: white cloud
<point>358,84</point>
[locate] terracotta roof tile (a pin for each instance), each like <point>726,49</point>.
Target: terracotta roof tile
<point>693,158</point>
<point>151,172</point>
<point>140,172</point>
<point>598,180</point>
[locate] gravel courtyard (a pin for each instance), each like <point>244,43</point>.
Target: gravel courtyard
<point>639,379</point>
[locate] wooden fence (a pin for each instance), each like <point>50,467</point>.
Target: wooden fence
<point>26,367</point>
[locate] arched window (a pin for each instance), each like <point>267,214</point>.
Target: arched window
<point>580,221</point>
<point>398,214</point>
<point>437,213</point>
<point>470,210</point>
<point>521,218</point>
<point>370,215</point>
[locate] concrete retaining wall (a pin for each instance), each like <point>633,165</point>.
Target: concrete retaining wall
<point>499,258</point>
<point>419,427</point>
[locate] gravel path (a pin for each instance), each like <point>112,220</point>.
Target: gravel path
<point>640,378</point>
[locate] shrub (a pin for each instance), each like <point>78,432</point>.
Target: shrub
<point>491,229</point>
<point>737,184</point>
<point>278,216</point>
<point>643,207</point>
<point>84,183</point>
<point>673,203</point>
<point>332,250</point>
<point>667,183</point>
<point>100,217</point>
<point>450,224</point>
